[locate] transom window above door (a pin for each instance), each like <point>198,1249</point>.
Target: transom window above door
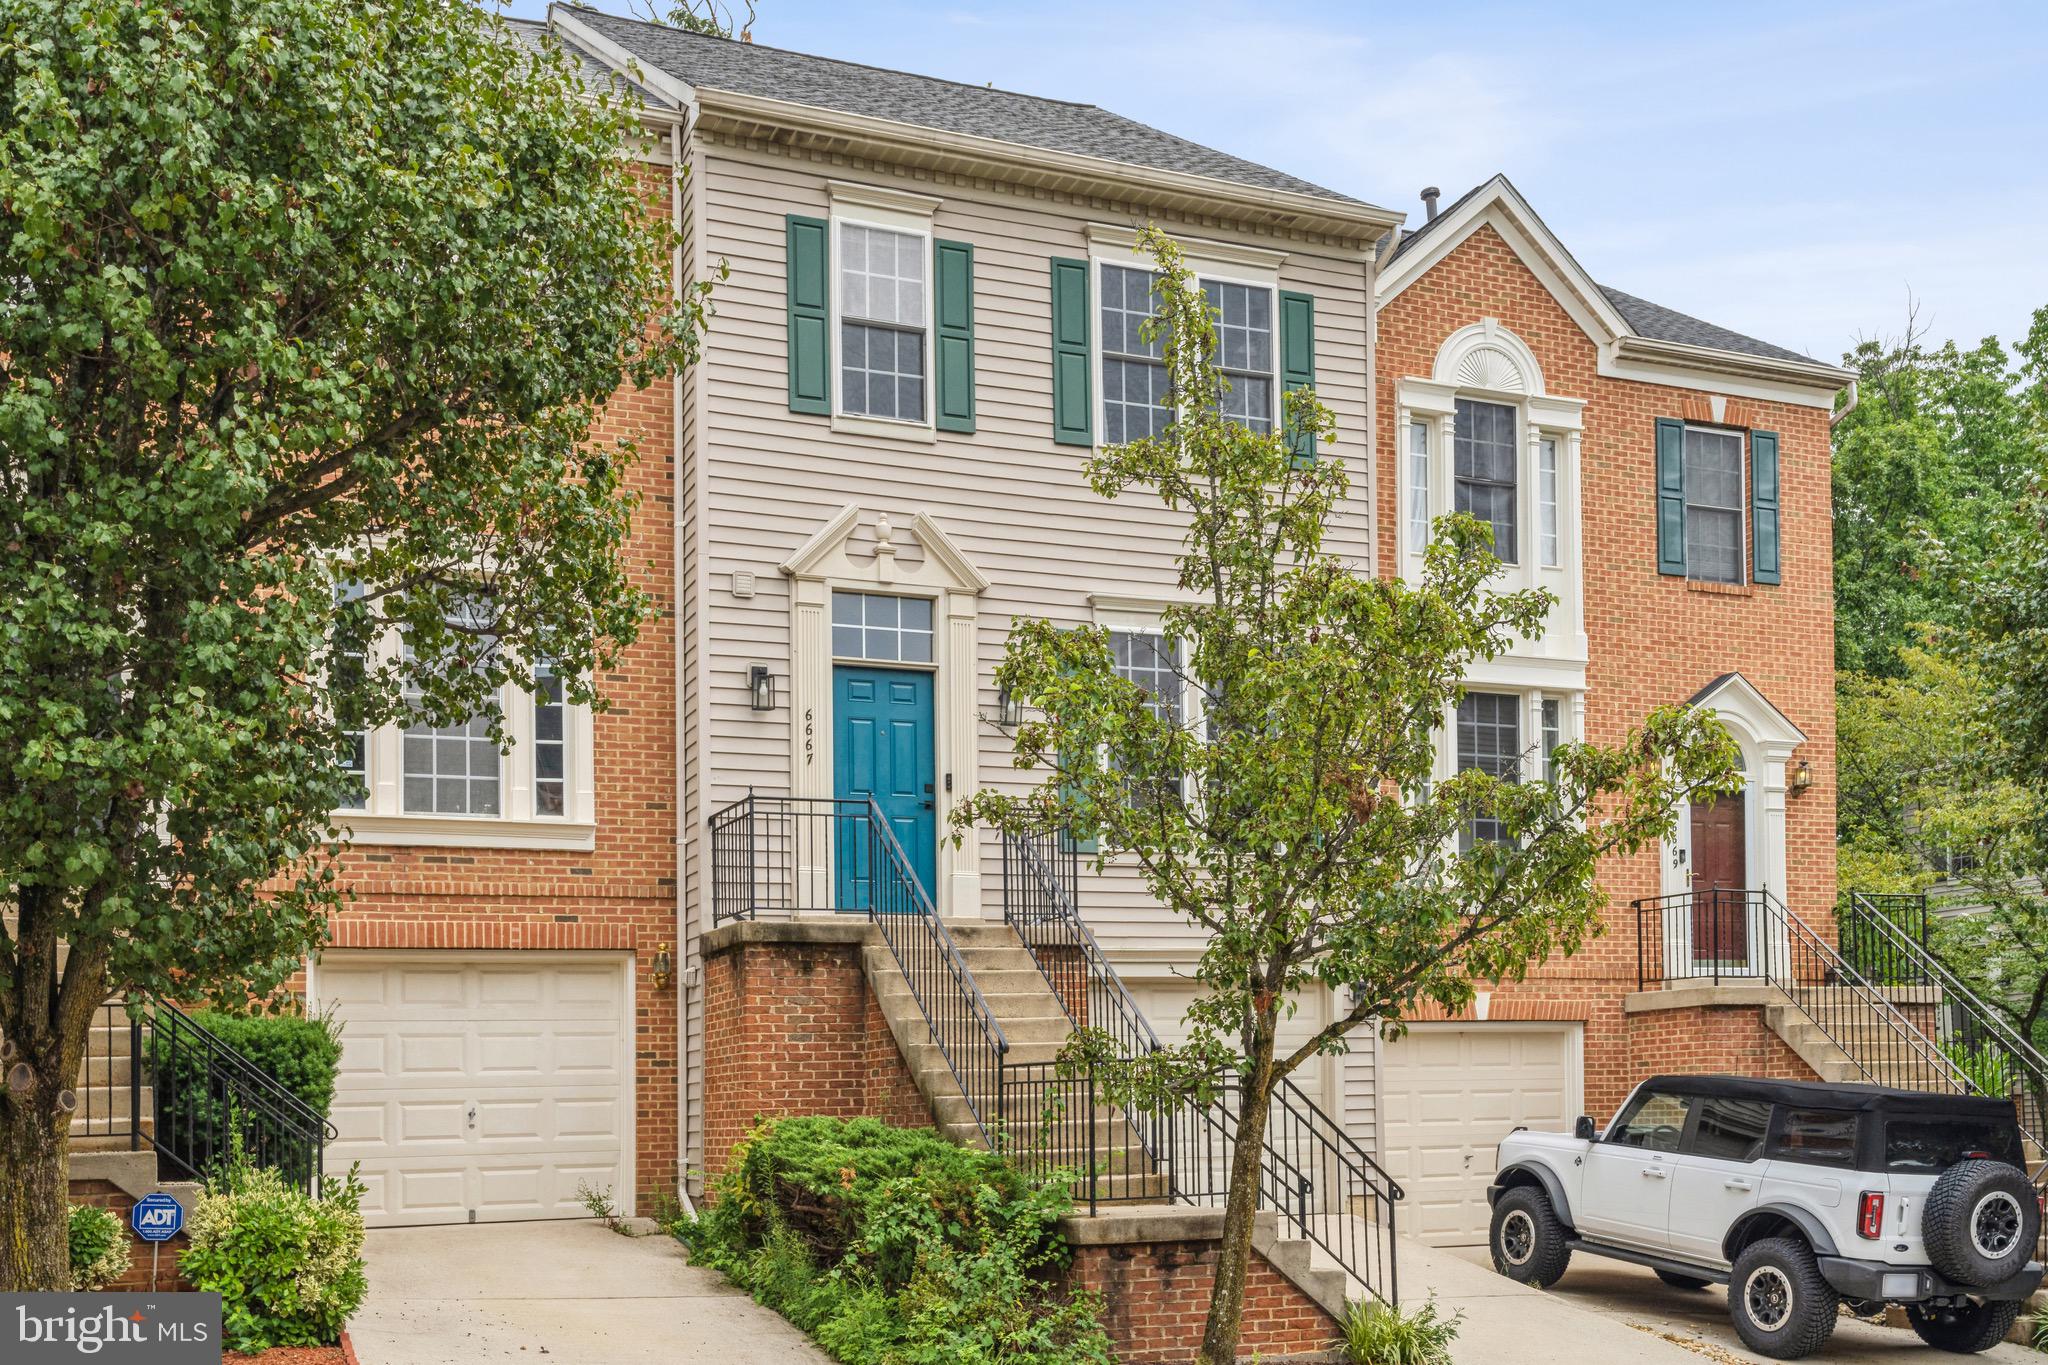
<point>883,312</point>
<point>881,628</point>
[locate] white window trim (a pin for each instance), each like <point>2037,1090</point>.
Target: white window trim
<point>872,206</point>
<point>1745,551</point>
<point>1488,363</point>
<point>1222,262</point>
<point>385,820</point>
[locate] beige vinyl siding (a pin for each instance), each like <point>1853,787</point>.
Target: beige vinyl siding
<point>690,638</point>
<point>1013,501</point>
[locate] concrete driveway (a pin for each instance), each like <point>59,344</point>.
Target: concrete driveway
<point>1607,1313</point>
<point>569,1293</point>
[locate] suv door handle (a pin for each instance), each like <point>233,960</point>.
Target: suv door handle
<point>1738,1182</point>
<point>1655,1173</point>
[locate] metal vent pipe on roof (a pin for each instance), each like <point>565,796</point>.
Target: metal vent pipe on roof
<point>1429,197</point>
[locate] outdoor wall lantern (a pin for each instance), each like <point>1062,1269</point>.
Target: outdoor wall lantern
<point>761,687</point>
<point>663,967</point>
<point>1802,776</point>
<point>1009,708</point>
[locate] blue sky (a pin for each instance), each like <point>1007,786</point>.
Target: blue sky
<point>1791,170</point>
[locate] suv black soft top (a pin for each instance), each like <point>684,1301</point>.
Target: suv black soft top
<point>1824,1095</point>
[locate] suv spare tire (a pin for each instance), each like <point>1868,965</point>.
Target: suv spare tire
<point>1981,1221</point>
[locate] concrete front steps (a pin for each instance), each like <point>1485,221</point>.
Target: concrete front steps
<point>1036,1028</point>
<point>1832,1029</point>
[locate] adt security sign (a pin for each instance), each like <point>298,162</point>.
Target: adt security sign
<point>157,1218</point>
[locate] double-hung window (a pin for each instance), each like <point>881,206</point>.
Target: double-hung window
<point>1713,505</point>
<point>883,314</point>
<point>1484,469</point>
<point>1418,485</point>
<point>1490,739</point>
<point>450,769</point>
<point>1134,388</point>
<point>1244,346</point>
<point>1153,662</point>
<point>347,669</point>
<point>1547,502</point>
<point>1135,391</point>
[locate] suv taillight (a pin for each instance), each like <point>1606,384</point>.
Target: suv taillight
<point>1870,1216</point>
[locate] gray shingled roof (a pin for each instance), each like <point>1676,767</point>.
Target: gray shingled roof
<point>595,73</point>
<point>1645,319</point>
<point>1659,323</point>
<point>927,102</point>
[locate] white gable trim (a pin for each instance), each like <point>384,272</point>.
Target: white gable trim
<point>1622,353</point>
<point>1500,206</point>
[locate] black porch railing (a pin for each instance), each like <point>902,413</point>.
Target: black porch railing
<point>796,854</point>
<point>1890,934</point>
<point>1735,934</point>
<point>1320,1183</point>
<point>156,1078</point>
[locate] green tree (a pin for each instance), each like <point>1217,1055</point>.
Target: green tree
<point>307,310</point>
<point>1923,466</point>
<point>1290,815</point>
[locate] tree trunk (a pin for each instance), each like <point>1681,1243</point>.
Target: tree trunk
<point>1233,1260</point>
<point>35,1193</point>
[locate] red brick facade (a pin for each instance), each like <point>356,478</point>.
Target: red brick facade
<point>620,895</point>
<point>1651,639</point>
<point>792,1027</point>
<point>1156,1300</point>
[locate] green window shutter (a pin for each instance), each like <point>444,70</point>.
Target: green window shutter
<point>953,349</point>
<point>1763,505</point>
<point>1298,356</point>
<point>1670,496</point>
<point>1073,406</point>
<point>1073,837</point>
<point>810,327</point>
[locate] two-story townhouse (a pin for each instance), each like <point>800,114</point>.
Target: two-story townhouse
<point>928,318</point>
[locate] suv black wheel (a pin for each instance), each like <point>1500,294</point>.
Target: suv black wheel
<point>1981,1221</point>
<point>1678,1281</point>
<point>1527,1239</point>
<point>1967,1330</point>
<point>1781,1305</point>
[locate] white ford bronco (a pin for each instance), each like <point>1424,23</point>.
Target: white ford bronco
<point>1798,1196</point>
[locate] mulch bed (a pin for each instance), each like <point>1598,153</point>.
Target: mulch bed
<point>294,1355</point>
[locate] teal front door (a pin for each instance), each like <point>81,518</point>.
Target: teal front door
<point>883,748</point>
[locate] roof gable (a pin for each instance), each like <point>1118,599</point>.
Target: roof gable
<point>1637,339</point>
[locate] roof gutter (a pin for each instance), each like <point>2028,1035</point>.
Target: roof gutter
<point>1808,373</point>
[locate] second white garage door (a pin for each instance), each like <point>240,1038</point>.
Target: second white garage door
<point>1451,1092</point>
<point>479,1087</point>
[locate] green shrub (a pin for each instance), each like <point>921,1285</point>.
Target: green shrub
<point>302,1054</point>
<point>1375,1334</point>
<point>288,1267</point>
<point>894,1247</point>
<point>1986,1065</point>
<point>99,1247</point>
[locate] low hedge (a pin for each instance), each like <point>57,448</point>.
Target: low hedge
<point>302,1054</point>
<point>288,1267</point>
<point>894,1247</point>
<point>99,1247</point>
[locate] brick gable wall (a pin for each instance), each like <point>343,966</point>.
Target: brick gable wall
<point>1652,640</point>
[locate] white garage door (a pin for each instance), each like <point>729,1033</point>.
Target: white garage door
<point>478,1087</point>
<point>1451,1093</point>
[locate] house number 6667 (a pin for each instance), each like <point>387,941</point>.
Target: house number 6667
<point>810,746</point>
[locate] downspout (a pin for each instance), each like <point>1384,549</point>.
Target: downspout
<point>1855,397</point>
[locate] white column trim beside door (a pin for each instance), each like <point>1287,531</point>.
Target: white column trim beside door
<point>943,573</point>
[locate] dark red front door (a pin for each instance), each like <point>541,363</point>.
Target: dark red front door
<point>1720,862</point>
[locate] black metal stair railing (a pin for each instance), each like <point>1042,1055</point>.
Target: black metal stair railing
<point>153,1076</point>
<point>1886,935</point>
<point>1734,934</point>
<point>1323,1186</point>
